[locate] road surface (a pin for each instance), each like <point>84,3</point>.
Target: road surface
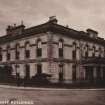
<point>51,96</point>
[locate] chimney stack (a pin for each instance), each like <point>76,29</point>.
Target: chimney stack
<point>92,33</point>
<point>14,30</point>
<point>53,19</point>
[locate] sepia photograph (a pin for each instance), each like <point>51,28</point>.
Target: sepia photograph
<point>52,52</point>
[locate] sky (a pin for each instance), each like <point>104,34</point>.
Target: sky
<point>77,14</point>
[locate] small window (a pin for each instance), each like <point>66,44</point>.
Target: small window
<point>60,48</point>
<point>39,48</point>
<point>27,50</point>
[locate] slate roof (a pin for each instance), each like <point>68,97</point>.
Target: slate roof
<point>55,28</point>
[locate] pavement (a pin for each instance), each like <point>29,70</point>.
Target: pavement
<point>43,88</point>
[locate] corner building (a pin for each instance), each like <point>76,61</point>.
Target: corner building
<point>65,54</point>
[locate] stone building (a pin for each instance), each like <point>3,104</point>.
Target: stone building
<point>63,53</point>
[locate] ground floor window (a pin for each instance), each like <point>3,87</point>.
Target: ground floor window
<point>98,73</point>
<point>89,73</point>
<point>27,71</point>
<point>61,72</point>
<point>104,73</point>
<point>74,72</point>
<point>39,68</point>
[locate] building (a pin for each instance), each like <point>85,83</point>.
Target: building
<point>63,54</point>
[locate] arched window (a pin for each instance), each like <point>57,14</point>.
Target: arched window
<point>39,48</point>
<point>8,52</point>
<point>74,51</point>
<point>0,54</point>
<point>60,45</point>
<point>27,49</point>
<point>61,72</point>
<point>17,51</point>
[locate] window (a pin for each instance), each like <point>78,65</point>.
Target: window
<point>89,73</point>
<point>100,51</point>
<point>17,51</point>
<point>104,73</point>
<point>8,52</point>
<point>27,71</point>
<point>98,73</point>
<point>39,48</point>
<point>86,52</point>
<point>94,49</point>
<point>0,54</point>
<point>74,51</point>
<point>74,72</point>
<point>39,68</point>
<point>104,52</point>
<point>60,48</point>
<point>61,72</point>
<point>27,50</point>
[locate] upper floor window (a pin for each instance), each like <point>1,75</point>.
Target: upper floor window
<point>39,48</point>
<point>100,51</point>
<point>0,54</point>
<point>8,52</point>
<point>74,51</point>
<point>94,49</point>
<point>27,50</point>
<point>87,51</point>
<point>60,48</point>
<point>17,51</point>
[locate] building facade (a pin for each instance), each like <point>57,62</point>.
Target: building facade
<point>64,54</point>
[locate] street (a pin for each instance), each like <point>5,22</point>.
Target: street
<point>53,96</point>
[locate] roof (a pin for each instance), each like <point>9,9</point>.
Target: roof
<point>55,28</point>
